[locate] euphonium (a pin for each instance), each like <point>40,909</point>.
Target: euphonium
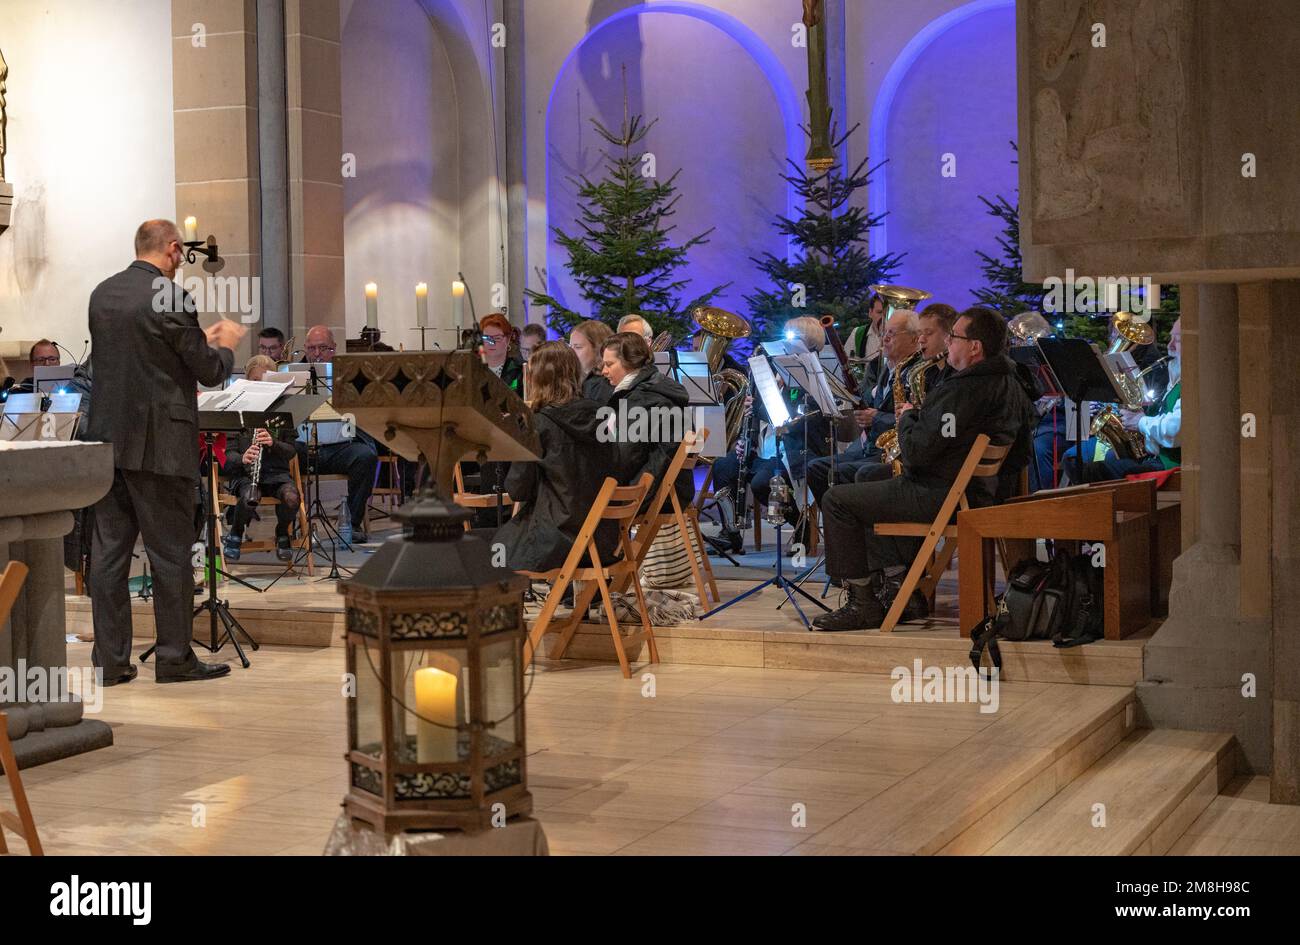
<point>720,328</point>
<point>899,297</point>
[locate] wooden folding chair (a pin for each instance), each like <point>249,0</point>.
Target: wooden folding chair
<point>384,500</point>
<point>984,459</point>
<point>688,519</point>
<point>21,822</point>
<point>645,527</point>
<point>474,500</point>
<point>614,503</point>
<point>225,500</point>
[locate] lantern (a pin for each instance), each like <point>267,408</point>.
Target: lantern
<point>435,638</point>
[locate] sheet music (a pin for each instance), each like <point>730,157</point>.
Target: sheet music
<point>243,395</point>
<point>818,385</point>
<point>769,391</point>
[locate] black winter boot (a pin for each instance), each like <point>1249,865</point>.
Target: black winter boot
<point>918,608</point>
<point>862,610</point>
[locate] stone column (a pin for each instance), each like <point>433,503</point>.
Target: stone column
<point>1208,667</point>
<point>273,154</point>
<point>315,136</point>
<point>1284,351</point>
<point>516,125</point>
<point>214,101</point>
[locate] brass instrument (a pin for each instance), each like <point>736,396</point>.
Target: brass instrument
<point>663,341</point>
<point>718,329</point>
<point>898,297</point>
<point>1132,332</point>
<point>887,442</point>
<point>1028,327</point>
<point>916,377</point>
<point>1109,427</point>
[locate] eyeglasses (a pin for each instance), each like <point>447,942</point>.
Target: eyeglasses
<point>491,340</point>
<point>321,349</point>
<point>46,359</point>
<point>891,333</point>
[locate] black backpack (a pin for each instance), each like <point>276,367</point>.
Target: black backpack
<point>1061,601</point>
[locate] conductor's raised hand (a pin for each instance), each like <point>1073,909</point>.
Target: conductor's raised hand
<point>224,333</point>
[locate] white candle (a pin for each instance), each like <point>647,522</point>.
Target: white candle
<point>435,699</point>
<point>372,305</point>
<point>191,230</point>
<point>458,303</point>
<point>421,305</point>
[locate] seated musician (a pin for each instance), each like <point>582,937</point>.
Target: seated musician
<point>274,480</point>
<point>44,353</point>
<point>530,336</point>
<point>587,341</point>
<point>637,324</point>
<point>935,325</point>
<point>1161,427</point>
<point>985,395</point>
<point>629,366</point>
<point>900,349</point>
<point>865,341</point>
<point>354,456</point>
<point>557,492</point>
<point>497,333</point>
<point>760,469</point>
<point>270,342</point>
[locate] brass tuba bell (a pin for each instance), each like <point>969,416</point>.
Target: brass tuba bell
<point>720,328</point>
<point>899,297</point>
<point>1131,332</point>
<point>1028,327</point>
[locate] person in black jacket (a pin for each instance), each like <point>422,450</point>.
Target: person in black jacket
<point>647,411</point>
<point>985,395</point>
<point>587,341</point>
<point>150,357</point>
<point>557,492</point>
<point>275,479</point>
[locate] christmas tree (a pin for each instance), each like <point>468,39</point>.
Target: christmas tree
<point>830,270</point>
<point>623,261</point>
<point>1005,289</point>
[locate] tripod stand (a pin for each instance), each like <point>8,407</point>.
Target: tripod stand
<point>216,608</point>
<point>779,579</point>
<point>316,514</point>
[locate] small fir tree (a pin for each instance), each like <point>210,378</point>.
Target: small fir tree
<point>623,260</point>
<point>830,269</point>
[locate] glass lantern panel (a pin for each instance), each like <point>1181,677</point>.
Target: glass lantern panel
<point>433,688</point>
<point>502,695</point>
<point>370,702</point>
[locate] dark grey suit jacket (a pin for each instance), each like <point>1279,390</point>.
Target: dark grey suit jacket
<point>148,365</point>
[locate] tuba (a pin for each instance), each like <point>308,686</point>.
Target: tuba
<point>1108,427</point>
<point>1028,327</point>
<point>718,329</point>
<point>899,297</point>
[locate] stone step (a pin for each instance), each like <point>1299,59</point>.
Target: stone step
<point>971,796</point>
<point>1137,800</point>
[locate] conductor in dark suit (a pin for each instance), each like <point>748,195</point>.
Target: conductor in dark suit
<point>150,356</point>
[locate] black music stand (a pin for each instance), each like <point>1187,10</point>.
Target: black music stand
<point>1078,372</point>
<point>212,422</point>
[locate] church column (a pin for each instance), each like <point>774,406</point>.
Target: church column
<point>516,123</point>
<point>273,153</point>
<point>1284,355</point>
<point>315,181</point>
<point>215,116</point>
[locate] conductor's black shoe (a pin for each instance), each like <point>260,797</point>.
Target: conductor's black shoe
<point>283,548</point>
<point>862,610</point>
<point>192,671</point>
<point>115,677</point>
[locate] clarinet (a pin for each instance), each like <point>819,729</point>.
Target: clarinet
<point>252,493</point>
<point>746,431</point>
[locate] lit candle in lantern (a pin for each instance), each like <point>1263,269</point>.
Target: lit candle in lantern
<point>191,230</point>
<point>435,699</point>
<point>372,305</point>
<point>458,303</point>
<point>421,305</point>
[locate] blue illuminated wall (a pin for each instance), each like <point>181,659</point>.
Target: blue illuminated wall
<point>951,90</point>
<point>727,120</point>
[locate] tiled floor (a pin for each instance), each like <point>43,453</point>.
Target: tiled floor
<point>719,760</point>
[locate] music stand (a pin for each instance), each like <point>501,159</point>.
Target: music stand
<point>1078,372</point>
<point>774,403</point>
<point>212,423</point>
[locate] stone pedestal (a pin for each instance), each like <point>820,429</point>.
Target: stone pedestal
<point>39,484</point>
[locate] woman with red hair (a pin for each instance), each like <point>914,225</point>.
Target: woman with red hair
<point>497,335</point>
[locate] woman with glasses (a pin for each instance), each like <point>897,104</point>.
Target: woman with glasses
<point>497,334</point>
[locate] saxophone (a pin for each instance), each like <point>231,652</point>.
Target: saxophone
<point>887,442</point>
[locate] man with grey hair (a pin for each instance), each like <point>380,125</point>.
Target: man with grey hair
<point>150,358</point>
<point>637,325</point>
